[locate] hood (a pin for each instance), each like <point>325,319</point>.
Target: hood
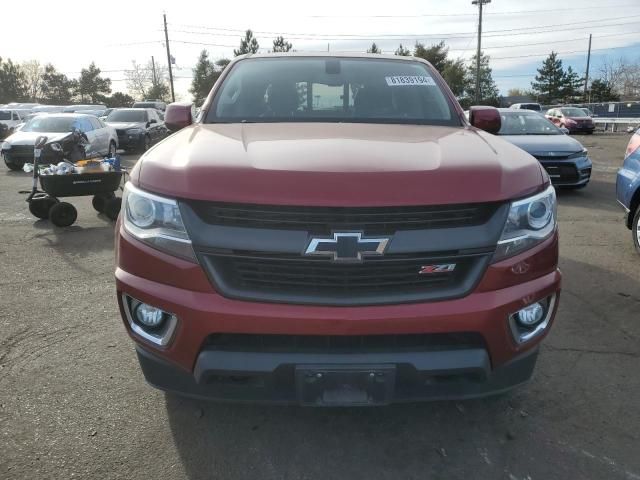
<point>126,125</point>
<point>544,144</point>
<point>337,164</point>
<point>29,138</point>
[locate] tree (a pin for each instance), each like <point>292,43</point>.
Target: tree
<point>549,83</point>
<point>248,44</point>
<point>148,82</point>
<point>33,78</point>
<point>402,51</point>
<point>374,48</point>
<point>222,63</point>
<point>602,91</point>
<point>454,74</point>
<point>281,45</point>
<point>436,54</point>
<point>91,86</point>
<point>517,92</point>
<point>55,87</point>
<point>12,82</point>
<point>120,100</point>
<point>203,78</point>
<point>571,85</point>
<point>488,90</point>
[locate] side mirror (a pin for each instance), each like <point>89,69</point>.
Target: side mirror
<point>485,118</point>
<point>178,115</point>
<point>564,130</point>
<point>153,120</point>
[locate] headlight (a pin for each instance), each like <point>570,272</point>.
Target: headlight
<point>581,154</point>
<point>156,221</point>
<point>5,146</point>
<point>530,221</point>
<point>134,131</point>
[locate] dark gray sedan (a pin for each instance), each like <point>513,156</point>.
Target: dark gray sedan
<point>563,157</point>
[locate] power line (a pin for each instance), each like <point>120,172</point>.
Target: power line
<point>519,12</point>
<point>403,36</point>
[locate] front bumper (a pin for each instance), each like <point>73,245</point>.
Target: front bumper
<point>569,173</point>
<point>188,363</point>
<point>128,142</point>
<point>275,378</point>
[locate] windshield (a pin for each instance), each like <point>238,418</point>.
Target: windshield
<point>572,112</point>
<point>531,106</point>
<point>5,115</point>
<point>50,124</point>
<point>127,116</point>
<point>526,124</point>
<point>331,90</point>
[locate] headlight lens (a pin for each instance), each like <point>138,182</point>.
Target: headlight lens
<point>530,221</point>
<point>134,131</point>
<point>5,145</point>
<point>156,221</point>
<point>581,154</point>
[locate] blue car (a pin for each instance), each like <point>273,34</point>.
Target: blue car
<point>628,187</point>
<point>563,157</point>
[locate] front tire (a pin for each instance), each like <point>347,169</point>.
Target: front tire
<point>635,230</point>
<point>146,144</point>
<point>12,166</point>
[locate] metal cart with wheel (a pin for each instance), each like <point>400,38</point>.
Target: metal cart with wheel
<point>46,204</point>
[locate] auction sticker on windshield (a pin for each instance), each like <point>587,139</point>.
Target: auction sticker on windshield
<point>408,80</point>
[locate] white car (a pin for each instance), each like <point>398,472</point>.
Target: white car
<point>17,149</point>
<point>12,117</point>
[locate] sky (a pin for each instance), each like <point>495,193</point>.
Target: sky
<point>517,34</point>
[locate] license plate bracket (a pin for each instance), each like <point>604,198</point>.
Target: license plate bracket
<point>361,385</point>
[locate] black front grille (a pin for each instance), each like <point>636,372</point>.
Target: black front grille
<point>323,220</point>
<point>235,342</point>
<point>293,278</point>
<point>22,152</point>
<point>562,172</point>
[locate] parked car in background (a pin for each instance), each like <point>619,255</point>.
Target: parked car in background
<point>628,187</point>
<point>536,107</point>
<point>12,117</point>
<point>137,128</point>
<point>78,108</point>
<point>157,104</point>
<point>96,113</point>
<point>48,109</point>
<point>588,112</point>
<point>106,113</point>
<point>22,106</point>
<point>17,149</point>
<point>564,158</point>
<point>355,242</point>
<point>571,118</point>
<point>4,131</point>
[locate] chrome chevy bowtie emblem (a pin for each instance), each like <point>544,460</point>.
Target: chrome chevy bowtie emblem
<point>346,247</point>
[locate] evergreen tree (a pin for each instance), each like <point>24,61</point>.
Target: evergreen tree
<point>402,51</point>
<point>436,54</point>
<point>203,78</point>
<point>455,75</point>
<point>572,85</point>
<point>12,82</point>
<point>602,91</point>
<point>488,90</point>
<point>248,44</point>
<point>222,63</point>
<point>55,87</point>
<point>91,86</point>
<point>550,81</point>
<point>374,48</point>
<point>281,45</point>
<point>120,100</point>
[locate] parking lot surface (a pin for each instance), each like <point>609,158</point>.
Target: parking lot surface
<point>73,403</point>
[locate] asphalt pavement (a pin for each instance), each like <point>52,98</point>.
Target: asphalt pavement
<point>73,403</point>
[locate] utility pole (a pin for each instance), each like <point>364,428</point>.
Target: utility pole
<point>586,75</point>
<point>166,38</point>
<point>153,71</point>
<point>480,3</point>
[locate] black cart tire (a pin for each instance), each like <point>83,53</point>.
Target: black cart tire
<point>99,201</point>
<point>112,207</point>
<point>40,207</point>
<point>63,214</point>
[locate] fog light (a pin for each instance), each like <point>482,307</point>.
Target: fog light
<point>149,316</point>
<point>529,316</point>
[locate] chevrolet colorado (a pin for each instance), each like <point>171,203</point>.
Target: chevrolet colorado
<point>333,231</point>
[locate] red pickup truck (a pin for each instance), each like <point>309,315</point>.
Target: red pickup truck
<point>331,230</point>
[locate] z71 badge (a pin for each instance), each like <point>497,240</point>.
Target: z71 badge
<point>441,268</point>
